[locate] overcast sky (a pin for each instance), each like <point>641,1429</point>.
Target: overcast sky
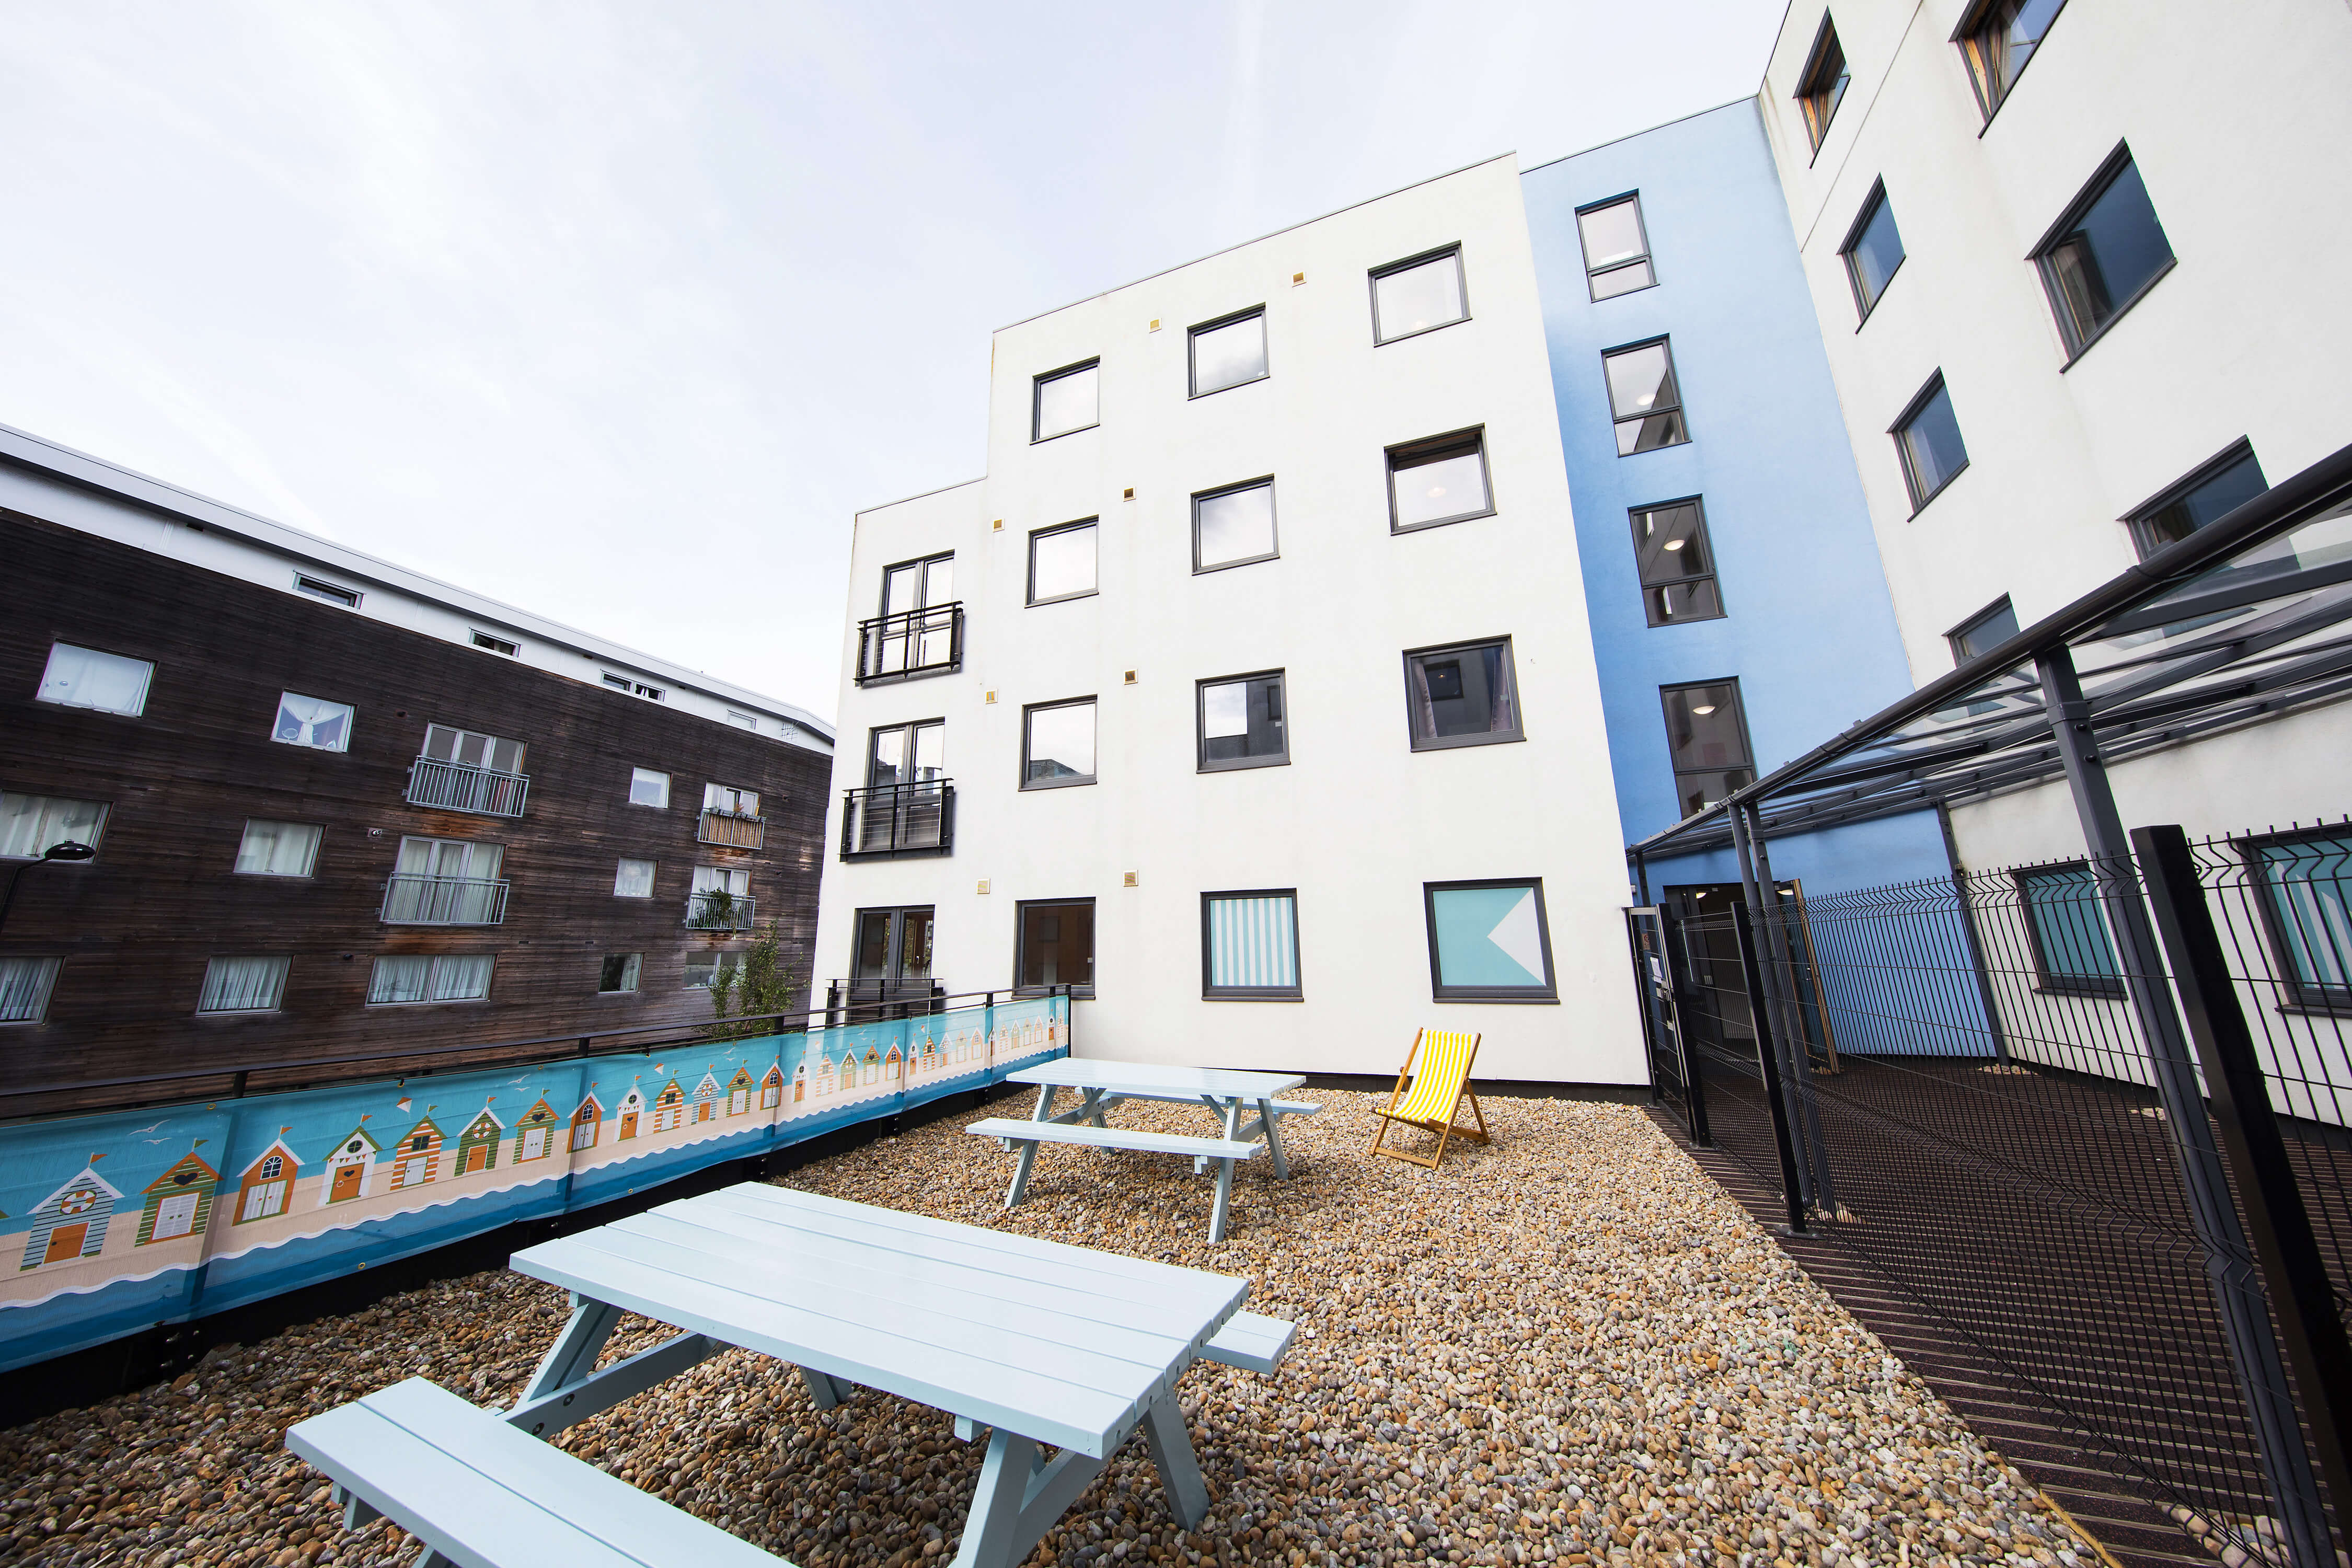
<point>618,312</point>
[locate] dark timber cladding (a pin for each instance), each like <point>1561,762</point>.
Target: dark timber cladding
<point>135,927</point>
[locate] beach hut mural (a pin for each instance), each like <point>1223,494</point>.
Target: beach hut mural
<point>771,1087</point>
<point>267,1185</point>
<point>350,1168</point>
<point>179,1202</point>
<point>631,1109</point>
<point>669,1107</point>
<point>706,1096</point>
<point>477,1145</point>
<point>587,1122</point>
<point>891,1064</point>
<point>416,1159</point>
<point>740,1090</point>
<point>535,1133</point>
<point>71,1221</point>
<point>823,1077</point>
<point>874,1065</point>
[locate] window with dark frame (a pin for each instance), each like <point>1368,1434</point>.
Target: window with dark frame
<point>1054,944</point>
<point>333,593</point>
<point>1823,86</point>
<point>1928,440</point>
<point>1644,398</point>
<point>1997,37</point>
<point>1249,946</point>
<point>496,645</point>
<point>1464,694</point>
<point>1677,562</point>
<point>1419,295</point>
<point>1234,526</point>
<point>1439,481</point>
<point>2067,929</point>
<point>1228,351</point>
<point>1872,251</point>
<point>2102,254</point>
<point>1707,742</point>
<point>1241,722</point>
<point>1066,400</point>
<point>2211,491</point>
<point>1488,941</point>
<point>2305,884</point>
<point>1057,743</point>
<point>1616,246</point>
<point>1062,563</point>
<point>1982,632</point>
<point>25,986</point>
<point>892,944</point>
<point>618,973</point>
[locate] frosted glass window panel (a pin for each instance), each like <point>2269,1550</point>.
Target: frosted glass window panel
<point>32,824</point>
<point>1418,297</point>
<point>647,787</point>
<point>634,879</point>
<point>1061,564</point>
<point>313,721</point>
<point>1438,481</point>
<point>1233,528</point>
<point>25,986</point>
<point>85,677</point>
<point>1228,353</point>
<point>1059,745</point>
<point>279,849</point>
<point>1066,402</point>
<point>243,985</point>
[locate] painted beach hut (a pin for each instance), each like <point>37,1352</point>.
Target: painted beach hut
<point>706,1095</point>
<point>179,1202</point>
<point>267,1182</point>
<point>874,1065</point>
<point>350,1168</point>
<point>71,1221</point>
<point>891,1063</point>
<point>587,1122</point>
<point>418,1158</point>
<point>771,1087</point>
<point>631,1111</point>
<point>477,1145</point>
<point>669,1107</point>
<point>740,1090</point>
<point>535,1133</point>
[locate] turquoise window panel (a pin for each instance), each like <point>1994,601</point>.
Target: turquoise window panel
<point>1489,941</point>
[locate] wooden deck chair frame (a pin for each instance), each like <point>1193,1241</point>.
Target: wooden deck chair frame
<point>1445,1130</point>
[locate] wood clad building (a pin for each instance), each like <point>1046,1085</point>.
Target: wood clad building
<point>327,842</point>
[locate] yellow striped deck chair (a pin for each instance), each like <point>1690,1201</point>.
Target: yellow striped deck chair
<point>1438,1091</point>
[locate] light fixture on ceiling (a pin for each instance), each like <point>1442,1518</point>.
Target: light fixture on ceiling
<point>1703,709</point>
<point>1675,543</point>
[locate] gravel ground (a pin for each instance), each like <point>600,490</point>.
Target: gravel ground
<point>1569,1347</point>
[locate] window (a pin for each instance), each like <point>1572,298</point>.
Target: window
<point>2068,931</point>
<point>729,801</point>
<point>1644,399</point>
<point>1676,564</point>
<point>33,824</point>
<point>1616,248</point>
<point>2104,254</point>
<point>243,985</point>
<point>1229,353</point>
<point>719,898</point>
<point>496,645</point>
<point>1055,946</point>
<point>312,722</point>
<point>1997,39</point>
<point>1440,481</point>
<point>448,978</point>
<point>1462,696</point>
<point>1982,632</point>
<point>334,594</point>
<point>919,585</point>
<point>278,848</point>
<point>1057,744</point>
<point>634,879</point>
<point>445,881</point>
<point>1822,86</point>
<point>468,749</point>
<point>1234,526</point>
<point>1242,724</point>
<point>1064,400</point>
<point>85,677</point>
<point>1872,251</point>
<point>893,944</point>
<point>25,986</point>
<point>908,754</point>
<point>1419,295</point>
<point>2214,491</point>
<point>619,974</point>
<point>1927,439</point>
<point>2304,885</point>
<point>636,688</point>
<point>1062,563</point>
<point>647,787</point>
<point>1706,741</point>
<point>742,721</point>
<point>703,969</point>
<point>1488,942</point>
<point>1249,946</point>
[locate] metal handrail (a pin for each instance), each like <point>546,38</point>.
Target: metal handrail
<point>412,900</point>
<point>717,910</point>
<point>733,829</point>
<point>917,634</point>
<point>460,786</point>
<point>902,819</point>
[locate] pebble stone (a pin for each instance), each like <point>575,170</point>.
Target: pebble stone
<point>1569,1348</point>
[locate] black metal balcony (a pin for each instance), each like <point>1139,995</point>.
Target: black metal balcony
<point>732,828</point>
<point>718,909</point>
<point>442,902</point>
<point>898,821</point>
<point>455,786</point>
<point>910,644</point>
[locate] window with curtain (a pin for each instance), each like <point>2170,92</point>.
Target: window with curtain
<point>1999,39</point>
<point>619,973</point>
<point>2106,252</point>
<point>634,879</point>
<point>2068,930</point>
<point>1465,695</point>
<point>647,787</point>
<point>731,801</point>
<point>445,881</point>
<point>279,849</point>
<point>1822,86</point>
<point>1249,945</point>
<point>243,985</point>
<point>445,977</point>
<point>445,743</point>
<point>85,677</point>
<point>32,824</point>
<point>2307,885</point>
<point>312,722</point>
<point>24,985</point>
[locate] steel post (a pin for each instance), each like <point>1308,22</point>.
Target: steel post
<point>1797,1051</point>
<point>1791,1173</point>
<point>1969,931</point>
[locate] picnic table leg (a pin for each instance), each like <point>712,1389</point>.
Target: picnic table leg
<point>1019,1499</point>
<point>1094,1109</point>
<point>1020,1187</point>
<point>824,1391</point>
<point>1172,1451</point>
<point>1225,1176</point>
<point>573,1355</point>
<point>1273,1140</point>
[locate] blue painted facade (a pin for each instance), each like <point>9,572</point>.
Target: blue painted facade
<point>1809,627</point>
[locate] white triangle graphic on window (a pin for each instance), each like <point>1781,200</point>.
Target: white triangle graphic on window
<point>1517,936</point>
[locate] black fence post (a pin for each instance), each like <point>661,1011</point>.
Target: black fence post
<point>2277,1222</point>
<point>1969,931</point>
<point>1674,1006</point>
<point>1791,1188</point>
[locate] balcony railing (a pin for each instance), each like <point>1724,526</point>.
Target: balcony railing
<point>732,828</point>
<point>442,902</point>
<point>455,786</point>
<point>719,910</point>
<point>899,820</point>
<point>910,644</point>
